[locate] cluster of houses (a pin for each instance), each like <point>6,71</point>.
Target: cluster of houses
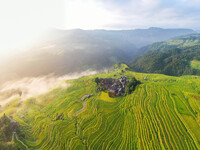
<point>116,87</point>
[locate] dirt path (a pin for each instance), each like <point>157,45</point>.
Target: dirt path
<point>84,96</point>
<point>84,104</point>
<point>82,109</point>
<point>18,140</point>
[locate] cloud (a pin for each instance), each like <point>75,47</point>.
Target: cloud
<point>35,86</point>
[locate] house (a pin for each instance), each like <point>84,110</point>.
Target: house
<point>112,93</point>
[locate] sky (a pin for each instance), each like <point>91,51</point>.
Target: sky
<point>132,14</point>
<point>23,21</point>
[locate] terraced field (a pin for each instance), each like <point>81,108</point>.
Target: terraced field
<point>162,113</point>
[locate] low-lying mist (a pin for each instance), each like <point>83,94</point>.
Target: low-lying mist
<point>34,86</point>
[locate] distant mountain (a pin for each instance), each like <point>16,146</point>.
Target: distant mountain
<point>143,37</point>
<point>172,57</point>
<point>137,38</point>
<point>66,51</point>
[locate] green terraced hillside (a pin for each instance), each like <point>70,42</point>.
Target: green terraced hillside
<point>162,113</point>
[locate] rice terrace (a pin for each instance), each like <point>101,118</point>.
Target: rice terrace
<point>161,113</point>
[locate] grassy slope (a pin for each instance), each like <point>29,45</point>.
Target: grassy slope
<point>158,115</point>
<point>195,64</point>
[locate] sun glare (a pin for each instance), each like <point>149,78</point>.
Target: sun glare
<point>23,21</point>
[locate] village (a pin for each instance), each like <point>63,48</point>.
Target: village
<point>115,87</point>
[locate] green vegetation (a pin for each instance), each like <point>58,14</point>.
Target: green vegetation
<point>195,64</point>
<point>132,85</point>
<point>6,142</point>
<point>170,60</point>
<point>97,80</point>
<point>157,115</point>
<point>175,62</point>
<point>178,42</point>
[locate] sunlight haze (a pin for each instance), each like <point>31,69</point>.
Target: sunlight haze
<point>23,21</point>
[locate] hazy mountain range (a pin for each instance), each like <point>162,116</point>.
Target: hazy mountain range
<point>68,51</point>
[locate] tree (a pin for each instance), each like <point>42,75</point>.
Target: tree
<point>132,85</point>
<point>6,134</point>
<point>5,129</point>
<point>8,146</point>
<point>97,80</point>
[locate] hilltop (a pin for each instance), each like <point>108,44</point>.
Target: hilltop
<point>162,113</point>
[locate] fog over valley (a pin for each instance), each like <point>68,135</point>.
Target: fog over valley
<point>34,86</point>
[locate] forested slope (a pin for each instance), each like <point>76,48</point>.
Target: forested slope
<point>172,57</point>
